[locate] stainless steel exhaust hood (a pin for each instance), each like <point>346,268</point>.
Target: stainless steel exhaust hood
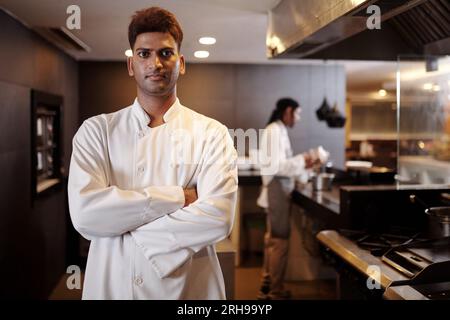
<point>337,29</point>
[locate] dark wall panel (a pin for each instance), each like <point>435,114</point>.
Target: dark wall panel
<point>210,89</point>
<point>104,87</point>
<point>32,233</point>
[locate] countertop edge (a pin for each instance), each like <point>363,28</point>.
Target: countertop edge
<point>359,258</point>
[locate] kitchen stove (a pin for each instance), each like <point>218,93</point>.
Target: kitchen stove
<point>427,258</point>
<point>425,262</point>
<point>381,232</point>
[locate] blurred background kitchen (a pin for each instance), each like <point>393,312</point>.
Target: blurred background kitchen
<point>385,94</point>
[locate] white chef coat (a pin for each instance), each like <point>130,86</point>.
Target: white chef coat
<point>126,195</point>
<point>277,159</point>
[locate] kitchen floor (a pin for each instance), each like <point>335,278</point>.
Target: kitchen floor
<point>248,277</point>
<point>247,284</point>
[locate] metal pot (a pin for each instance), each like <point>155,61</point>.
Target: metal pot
<point>322,181</point>
<point>438,219</point>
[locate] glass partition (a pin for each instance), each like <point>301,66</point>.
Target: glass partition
<point>423,116</point>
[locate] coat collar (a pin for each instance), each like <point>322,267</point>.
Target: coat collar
<point>144,118</point>
<point>282,126</point>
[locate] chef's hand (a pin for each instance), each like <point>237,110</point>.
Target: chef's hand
<point>311,160</point>
<point>190,195</point>
<point>315,157</point>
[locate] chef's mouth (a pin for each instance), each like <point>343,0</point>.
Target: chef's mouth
<point>155,76</point>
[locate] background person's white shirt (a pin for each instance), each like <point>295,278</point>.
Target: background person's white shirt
<point>277,159</point>
<point>126,195</point>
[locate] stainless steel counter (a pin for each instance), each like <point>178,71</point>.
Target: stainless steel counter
<point>321,206</point>
<point>328,199</point>
<point>403,293</point>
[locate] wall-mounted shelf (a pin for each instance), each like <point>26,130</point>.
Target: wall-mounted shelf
<point>46,141</point>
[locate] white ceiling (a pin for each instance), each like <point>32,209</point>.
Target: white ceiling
<point>239,26</point>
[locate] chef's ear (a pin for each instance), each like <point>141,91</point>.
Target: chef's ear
<point>130,66</point>
<point>182,65</point>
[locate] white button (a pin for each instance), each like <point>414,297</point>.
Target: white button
<point>141,170</point>
<point>138,281</point>
<point>141,134</point>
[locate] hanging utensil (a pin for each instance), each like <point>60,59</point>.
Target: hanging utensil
<point>334,118</point>
<point>323,111</point>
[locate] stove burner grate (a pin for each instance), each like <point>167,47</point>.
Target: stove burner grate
<point>379,243</point>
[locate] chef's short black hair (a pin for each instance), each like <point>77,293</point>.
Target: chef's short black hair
<point>154,19</point>
<point>281,106</point>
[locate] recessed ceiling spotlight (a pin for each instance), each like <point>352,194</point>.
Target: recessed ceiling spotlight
<point>201,54</point>
<point>129,53</point>
<point>207,40</point>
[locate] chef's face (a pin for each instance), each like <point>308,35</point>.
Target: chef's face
<point>292,116</point>
<point>297,112</point>
<point>156,63</point>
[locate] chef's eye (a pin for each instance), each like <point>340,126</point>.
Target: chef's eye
<point>143,54</point>
<point>166,53</point>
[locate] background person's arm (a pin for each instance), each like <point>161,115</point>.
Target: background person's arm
<point>100,210</point>
<point>170,241</point>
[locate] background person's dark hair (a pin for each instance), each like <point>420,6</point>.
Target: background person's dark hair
<point>154,19</point>
<point>281,106</point>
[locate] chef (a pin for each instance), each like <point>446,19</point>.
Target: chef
<point>153,186</point>
<point>279,169</point>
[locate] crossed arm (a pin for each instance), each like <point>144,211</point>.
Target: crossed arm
<point>158,220</point>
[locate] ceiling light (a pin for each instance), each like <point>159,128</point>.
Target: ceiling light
<point>356,2</point>
<point>201,54</point>
<point>427,86</point>
<point>382,93</point>
<point>129,53</point>
<point>207,40</point>
<point>274,44</point>
<point>436,87</point>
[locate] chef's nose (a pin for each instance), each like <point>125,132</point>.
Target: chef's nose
<point>154,62</point>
